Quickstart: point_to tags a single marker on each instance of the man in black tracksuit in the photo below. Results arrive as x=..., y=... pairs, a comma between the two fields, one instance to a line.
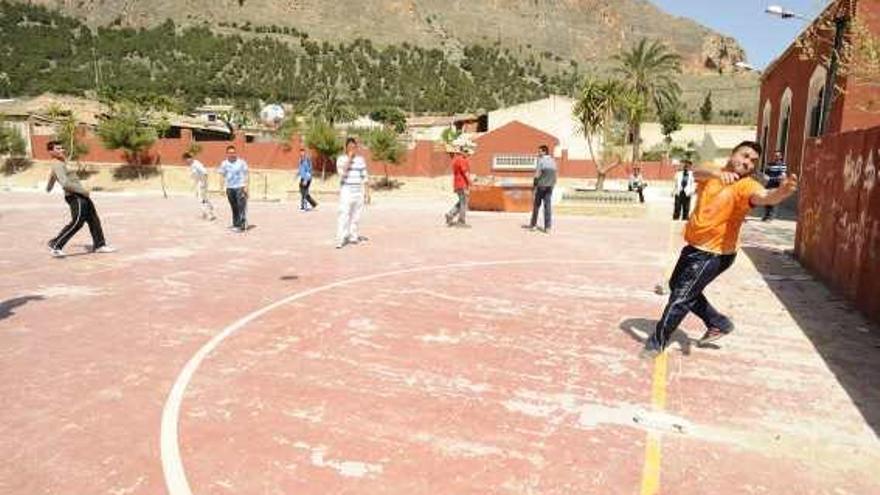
x=82, y=210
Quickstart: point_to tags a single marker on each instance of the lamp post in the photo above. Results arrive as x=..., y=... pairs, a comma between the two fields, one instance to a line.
x=841, y=23
x=784, y=13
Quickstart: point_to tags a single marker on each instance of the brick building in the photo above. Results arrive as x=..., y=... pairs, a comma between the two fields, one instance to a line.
x=793, y=87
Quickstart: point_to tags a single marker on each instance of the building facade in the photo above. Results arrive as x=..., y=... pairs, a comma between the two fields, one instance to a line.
x=792, y=99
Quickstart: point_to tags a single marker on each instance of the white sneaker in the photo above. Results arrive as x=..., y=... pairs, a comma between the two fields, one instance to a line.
x=57, y=253
x=105, y=249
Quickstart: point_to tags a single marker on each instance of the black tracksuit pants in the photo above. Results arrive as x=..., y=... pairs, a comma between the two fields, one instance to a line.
x=82, y=211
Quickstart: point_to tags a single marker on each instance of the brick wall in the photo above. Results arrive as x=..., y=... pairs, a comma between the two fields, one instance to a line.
x=838, y=233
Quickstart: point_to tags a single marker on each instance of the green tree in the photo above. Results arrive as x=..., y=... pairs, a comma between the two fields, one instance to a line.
x=595, y=108
x=68, y=132
x=385, y=147
x=287, y=130
x=331, y=104
x=11, y=141
x=322, y=137
x=449, y=135
x=670, y=123
x=12, y=144
x=706, y=109
x=650, y=70
x=390, y=116
x=127, y=128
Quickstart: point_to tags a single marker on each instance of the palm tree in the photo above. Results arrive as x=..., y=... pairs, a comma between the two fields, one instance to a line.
x=649, y=70
x=595, y=109
x=331, y=104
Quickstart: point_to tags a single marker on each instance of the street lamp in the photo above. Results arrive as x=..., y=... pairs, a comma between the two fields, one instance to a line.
x=784, y=13
x=841, y=23
x=747, y=67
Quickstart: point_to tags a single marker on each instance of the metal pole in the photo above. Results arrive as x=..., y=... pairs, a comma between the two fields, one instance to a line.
x=840, y=25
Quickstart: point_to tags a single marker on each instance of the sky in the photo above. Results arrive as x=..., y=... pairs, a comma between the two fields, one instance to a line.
x=763, y=36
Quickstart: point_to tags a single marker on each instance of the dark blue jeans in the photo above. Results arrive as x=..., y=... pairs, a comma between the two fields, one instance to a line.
x=543, y=195
x=238, y=202
x=693, y=272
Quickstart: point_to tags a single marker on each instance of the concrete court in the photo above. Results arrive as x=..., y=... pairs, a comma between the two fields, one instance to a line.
x=426, y=361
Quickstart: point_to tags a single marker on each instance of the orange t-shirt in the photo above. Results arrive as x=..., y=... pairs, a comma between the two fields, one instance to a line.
x=714, y=225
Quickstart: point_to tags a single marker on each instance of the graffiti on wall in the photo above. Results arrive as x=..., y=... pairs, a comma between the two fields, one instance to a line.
x=838, y=234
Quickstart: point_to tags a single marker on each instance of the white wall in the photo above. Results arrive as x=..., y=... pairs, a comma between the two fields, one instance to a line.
x=552, y=115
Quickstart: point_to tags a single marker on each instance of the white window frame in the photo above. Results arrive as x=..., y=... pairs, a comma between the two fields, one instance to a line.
x=764, y=138
x=817, y=85
x=784, y=108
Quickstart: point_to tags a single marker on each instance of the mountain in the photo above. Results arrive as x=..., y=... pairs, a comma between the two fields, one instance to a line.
x=419, y=55
x=586, y=31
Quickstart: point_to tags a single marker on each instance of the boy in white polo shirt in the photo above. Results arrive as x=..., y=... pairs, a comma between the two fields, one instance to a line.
x=354, y=191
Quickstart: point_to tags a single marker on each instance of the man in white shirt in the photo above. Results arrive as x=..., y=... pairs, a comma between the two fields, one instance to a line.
x=354, y=192
x=235, y=171
x=683, y=188
x=200, y=179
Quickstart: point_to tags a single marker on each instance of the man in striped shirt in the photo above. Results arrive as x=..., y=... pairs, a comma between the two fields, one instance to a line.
x=354, y=192
x=775, y=173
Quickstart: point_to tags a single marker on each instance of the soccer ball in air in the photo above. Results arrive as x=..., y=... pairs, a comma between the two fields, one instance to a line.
x=272, y=115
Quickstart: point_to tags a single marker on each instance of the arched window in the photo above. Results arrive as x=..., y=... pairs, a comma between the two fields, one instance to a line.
x=815, y=102
x=784, y=123
x=765, y=130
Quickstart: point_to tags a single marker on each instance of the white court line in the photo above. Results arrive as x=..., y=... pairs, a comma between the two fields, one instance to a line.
x=172, y=464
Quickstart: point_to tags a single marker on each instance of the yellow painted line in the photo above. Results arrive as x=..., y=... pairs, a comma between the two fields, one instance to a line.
x=651, y=470
x=653, y=451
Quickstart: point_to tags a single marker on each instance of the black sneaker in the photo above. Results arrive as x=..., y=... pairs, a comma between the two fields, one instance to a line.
x=711, y=335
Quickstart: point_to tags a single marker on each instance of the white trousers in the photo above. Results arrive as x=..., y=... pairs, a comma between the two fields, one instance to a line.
x=202, y=195
x=351, y=205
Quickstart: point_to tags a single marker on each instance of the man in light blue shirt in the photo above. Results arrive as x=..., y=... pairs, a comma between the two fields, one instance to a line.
x=235, y=171
x=306, y=201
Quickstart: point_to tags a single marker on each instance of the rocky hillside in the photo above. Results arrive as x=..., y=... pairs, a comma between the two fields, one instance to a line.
x=586, y=31
x=475, y=54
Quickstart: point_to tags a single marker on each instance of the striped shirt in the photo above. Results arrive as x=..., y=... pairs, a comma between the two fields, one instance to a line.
x=775, y=173
x=352, y=176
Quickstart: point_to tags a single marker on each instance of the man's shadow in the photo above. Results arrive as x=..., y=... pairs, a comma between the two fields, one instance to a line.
x=7, y=306
x=640, y=329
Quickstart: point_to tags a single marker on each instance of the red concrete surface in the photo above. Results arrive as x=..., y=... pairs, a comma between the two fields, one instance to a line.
x=517, y=375
x=838, y=237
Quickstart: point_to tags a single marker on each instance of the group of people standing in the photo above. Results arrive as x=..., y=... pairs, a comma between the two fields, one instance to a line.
x=725, y=197
x=543, y=183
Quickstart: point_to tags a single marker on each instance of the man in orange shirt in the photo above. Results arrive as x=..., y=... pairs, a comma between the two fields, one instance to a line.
x=724, y=198
x=462, y=184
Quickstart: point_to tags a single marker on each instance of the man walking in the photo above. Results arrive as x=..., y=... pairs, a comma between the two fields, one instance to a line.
x=775, y=173
x=354, y=191
x=544, y=181
x=684, y=186
x=82, y=209
x=724, y=199
x=304, y=173
x=235, y=172
x=461, y=183
x=200, y=179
